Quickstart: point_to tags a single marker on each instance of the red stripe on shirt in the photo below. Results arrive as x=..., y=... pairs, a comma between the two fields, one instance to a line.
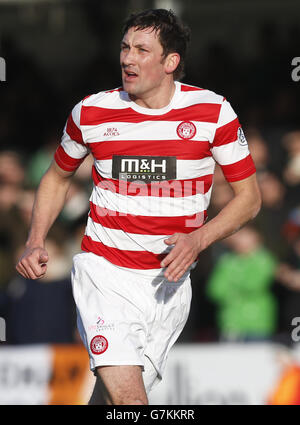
x=146, y=225
x=206, y=112
x=123, y=258
x=170, y=188
x=190, y=88
x=227, y=133
x=65, y=161
x=182, y=149
x=239, y=170
x=114, y=90
x=73, y=131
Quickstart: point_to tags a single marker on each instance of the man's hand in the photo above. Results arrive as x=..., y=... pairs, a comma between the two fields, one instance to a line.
x=49, y=202
x=243, y=207
x=182, y=256
x=32, y=264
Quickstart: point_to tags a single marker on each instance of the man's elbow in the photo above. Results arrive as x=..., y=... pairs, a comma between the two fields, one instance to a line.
x=256, y=204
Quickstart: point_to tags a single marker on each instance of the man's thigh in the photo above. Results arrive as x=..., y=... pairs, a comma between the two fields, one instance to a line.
x=119, y=385
x=111, y=312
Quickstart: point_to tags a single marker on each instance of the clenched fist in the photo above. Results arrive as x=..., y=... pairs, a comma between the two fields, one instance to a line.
x=32, y=264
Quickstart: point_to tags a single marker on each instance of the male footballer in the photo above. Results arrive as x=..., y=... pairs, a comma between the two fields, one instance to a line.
x=155, y=143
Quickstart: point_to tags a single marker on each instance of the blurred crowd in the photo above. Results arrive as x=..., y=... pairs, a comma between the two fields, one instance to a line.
x=245, y=288
x=249, y=283
x=38, y=311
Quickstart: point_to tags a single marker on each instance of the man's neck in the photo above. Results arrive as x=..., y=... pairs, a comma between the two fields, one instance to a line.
x=157, y=99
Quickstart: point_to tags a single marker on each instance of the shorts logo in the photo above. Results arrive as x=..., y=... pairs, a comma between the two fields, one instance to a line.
x=241, y=137
x=101, y=325
x=99, y=344
x=144, y=168
x=186, y=130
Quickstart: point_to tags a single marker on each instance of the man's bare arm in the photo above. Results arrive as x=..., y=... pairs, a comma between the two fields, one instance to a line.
x=244, y=206
x=49, y=201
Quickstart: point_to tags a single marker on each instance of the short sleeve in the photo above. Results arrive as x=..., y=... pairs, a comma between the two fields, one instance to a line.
x=230, y=148
x=72, y=149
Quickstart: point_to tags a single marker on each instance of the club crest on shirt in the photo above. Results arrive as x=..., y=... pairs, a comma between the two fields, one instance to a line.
x=99, y=344
x=241, y=137
x=186, y=130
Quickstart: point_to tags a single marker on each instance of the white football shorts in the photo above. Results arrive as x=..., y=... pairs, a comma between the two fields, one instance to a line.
x=125, y=317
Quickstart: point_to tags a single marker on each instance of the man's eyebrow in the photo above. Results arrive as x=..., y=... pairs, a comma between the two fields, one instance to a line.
x=144, y=46
x=139, y=46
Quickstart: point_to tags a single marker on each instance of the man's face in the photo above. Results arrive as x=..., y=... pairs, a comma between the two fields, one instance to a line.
x=142, y=63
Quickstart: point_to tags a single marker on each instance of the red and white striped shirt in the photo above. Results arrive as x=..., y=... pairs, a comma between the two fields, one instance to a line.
x=153, y=168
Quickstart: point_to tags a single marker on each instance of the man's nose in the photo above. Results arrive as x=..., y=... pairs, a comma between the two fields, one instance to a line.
x=128, y=57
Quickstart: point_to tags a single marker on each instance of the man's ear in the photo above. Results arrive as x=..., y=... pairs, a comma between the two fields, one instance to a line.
x=171, y=62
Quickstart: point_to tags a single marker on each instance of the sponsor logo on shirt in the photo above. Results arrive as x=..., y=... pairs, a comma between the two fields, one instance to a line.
x=111, y=132
x=186, y=130
x=144, y=168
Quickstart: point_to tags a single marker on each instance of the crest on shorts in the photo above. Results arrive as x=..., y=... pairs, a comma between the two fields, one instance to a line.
x=99, y=344
x=241, y=137
x=186, y=130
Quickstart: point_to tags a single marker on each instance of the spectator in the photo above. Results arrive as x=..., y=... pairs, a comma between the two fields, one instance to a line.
x=41, y=159
x=291, y=228
x=240, y=285
x=11, y=229
x=272, y=217
x=288, y=274
x=258, y=148
x=291, y=171
x=43, y=311
x=291, y=142
x=287, y=389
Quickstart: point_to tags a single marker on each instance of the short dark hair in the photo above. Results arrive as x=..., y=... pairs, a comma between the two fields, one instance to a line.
x=174, y=36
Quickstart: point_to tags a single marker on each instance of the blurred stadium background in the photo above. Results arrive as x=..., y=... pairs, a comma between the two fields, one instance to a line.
x=241, y=342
